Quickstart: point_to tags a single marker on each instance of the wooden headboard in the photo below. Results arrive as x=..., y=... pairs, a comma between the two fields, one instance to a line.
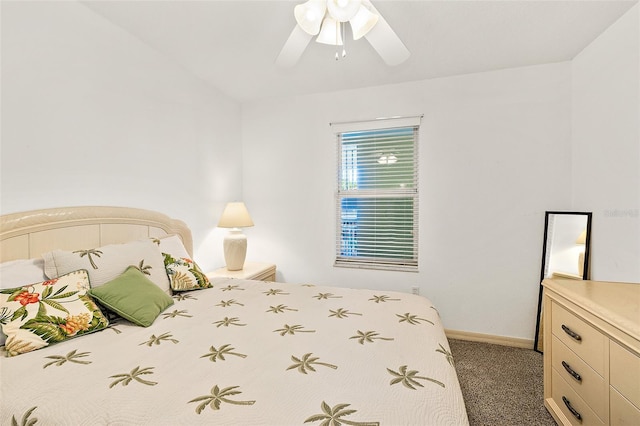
x=28, y=235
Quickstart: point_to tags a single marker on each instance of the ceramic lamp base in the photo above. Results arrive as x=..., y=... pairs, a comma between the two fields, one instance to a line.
x=235, y=249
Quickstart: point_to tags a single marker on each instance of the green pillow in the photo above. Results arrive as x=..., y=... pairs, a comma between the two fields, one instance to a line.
x=133, y=296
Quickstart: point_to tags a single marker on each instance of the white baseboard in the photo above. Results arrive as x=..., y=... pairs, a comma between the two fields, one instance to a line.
x=489, y=338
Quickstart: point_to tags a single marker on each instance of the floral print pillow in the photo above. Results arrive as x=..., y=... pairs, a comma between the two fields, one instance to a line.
x=184, y=274
x=37, y=315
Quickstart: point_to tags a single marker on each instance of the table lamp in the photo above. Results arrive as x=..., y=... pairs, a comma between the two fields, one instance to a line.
x=235, y=216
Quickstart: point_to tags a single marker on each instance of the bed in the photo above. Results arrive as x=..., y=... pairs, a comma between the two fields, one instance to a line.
x=221, y=351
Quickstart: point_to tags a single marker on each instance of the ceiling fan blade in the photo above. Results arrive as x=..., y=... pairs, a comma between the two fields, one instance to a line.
x=293, y=47
x=385, y=41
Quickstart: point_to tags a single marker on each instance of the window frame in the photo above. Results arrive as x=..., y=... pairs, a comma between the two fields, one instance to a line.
x=406, y=264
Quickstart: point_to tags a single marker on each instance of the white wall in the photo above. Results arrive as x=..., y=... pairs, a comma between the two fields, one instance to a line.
x=606, y=147
x=92, y=116
x=494, y=156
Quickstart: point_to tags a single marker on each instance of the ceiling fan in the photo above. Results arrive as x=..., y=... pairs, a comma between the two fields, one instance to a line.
x=326, y=19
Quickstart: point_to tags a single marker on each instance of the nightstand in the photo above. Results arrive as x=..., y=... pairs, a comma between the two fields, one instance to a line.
x=251, y=271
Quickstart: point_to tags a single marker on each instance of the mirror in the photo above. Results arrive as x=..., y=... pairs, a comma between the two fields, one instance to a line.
x=565, y=254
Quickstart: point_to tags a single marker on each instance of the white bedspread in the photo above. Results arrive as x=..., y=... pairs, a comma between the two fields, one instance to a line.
x=248, y=353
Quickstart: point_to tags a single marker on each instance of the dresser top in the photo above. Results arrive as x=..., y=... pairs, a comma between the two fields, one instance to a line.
x=616, y=303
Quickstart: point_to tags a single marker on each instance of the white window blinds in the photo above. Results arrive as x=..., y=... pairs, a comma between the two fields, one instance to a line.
x=377, y=194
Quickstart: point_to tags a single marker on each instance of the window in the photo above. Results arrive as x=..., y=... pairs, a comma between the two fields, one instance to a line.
x=377, y=194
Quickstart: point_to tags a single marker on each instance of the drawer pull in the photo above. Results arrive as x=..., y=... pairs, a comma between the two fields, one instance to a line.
x=571, y=333
x=571, y=371
x=570, y=408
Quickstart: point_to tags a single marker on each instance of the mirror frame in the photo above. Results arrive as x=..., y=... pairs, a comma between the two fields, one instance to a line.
x=537, y=343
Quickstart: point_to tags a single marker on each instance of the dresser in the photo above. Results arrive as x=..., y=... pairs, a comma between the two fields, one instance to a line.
x=592, y=352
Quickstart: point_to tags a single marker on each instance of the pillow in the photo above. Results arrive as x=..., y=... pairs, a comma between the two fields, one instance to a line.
x=36, y=315
x=108, y=262
x=172, y=244
x=133, y=296
x=22, y=271
x=19, y=272
x=184, y=274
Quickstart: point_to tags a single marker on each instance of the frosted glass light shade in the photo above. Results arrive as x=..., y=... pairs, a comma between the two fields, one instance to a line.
x=343, y=10
x=363, y=22
x=235, y=215
x=309, y=15
x=330, y=32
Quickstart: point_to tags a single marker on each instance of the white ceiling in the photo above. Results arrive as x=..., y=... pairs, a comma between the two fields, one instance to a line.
x=233, y=44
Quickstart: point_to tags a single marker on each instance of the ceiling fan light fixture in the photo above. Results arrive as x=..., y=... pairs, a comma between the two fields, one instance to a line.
x=362, y=22
x=330, y=32
x=309, y=15
x=343, y=10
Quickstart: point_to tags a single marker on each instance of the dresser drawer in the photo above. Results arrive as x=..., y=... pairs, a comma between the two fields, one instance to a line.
x=588, y=384
x=625, y=372
x=561, y=392
x=583, y=339
x=623, y=413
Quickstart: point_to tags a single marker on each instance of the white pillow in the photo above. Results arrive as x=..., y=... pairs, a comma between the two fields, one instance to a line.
x=109, y=262
x=20, y=272
x=17, y=273
x=172, y=244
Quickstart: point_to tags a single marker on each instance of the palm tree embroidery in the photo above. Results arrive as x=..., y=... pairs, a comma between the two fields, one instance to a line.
x=72, y=356
x=231, y=287
x=435, y=310
x=342, y=313
x=279, y=309
x=307, y=362
x=218, y=396
x=383, y=298
x=408, y=378
x=307, y=285
x=5, y=315
x=228, y=321
x=275, y=292
x=89, y=254
x=113, y=322
x=184, y=296
x=368, y=336
x=321, y=296
x=446, y=353
x=157, y=340
x=227, y=303
x=176, y=313
x=125, y=378
x=292, y=329
x=412, y=319
x=214, y=353
x=332, y=416
x=143, y=268
x=155, y=241
x=26, y=421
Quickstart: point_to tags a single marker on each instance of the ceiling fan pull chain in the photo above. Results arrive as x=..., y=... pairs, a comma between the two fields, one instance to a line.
x=344, y=41
x=337, y=38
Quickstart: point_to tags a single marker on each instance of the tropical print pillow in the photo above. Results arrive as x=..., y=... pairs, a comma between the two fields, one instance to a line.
x=37, y=315
x=184, y=274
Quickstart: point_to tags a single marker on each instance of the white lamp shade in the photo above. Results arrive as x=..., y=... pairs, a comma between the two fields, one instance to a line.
x=309, y=15
x=235, y=215
x=363, y=22
x=330, y=32
x=582, y=238
x=343, y=10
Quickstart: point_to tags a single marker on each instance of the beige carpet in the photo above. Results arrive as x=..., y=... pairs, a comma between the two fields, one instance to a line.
x=501, y=385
